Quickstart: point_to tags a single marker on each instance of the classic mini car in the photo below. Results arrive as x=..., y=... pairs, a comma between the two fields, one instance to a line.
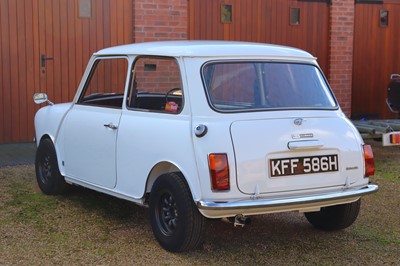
x=206, y=129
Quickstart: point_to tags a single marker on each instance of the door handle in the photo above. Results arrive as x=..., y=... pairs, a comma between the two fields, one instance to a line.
x=44, y=58
x=111, y=126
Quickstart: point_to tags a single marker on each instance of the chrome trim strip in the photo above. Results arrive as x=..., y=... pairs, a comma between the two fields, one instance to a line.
x=273, y=203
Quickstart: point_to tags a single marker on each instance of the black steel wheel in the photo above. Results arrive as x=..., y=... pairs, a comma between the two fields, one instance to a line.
x=335, y=217
x=176, y=222
x=167, y=214
x=48, y=176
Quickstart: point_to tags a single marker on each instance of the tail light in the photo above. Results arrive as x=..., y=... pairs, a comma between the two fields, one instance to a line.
x=369, y=161
x=219, y=171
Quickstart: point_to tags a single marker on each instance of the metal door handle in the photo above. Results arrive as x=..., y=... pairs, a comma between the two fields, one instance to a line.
x=43, y=59
x=111, y=126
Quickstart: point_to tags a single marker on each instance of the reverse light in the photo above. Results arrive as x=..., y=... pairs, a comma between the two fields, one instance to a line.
x=219, y=171
x=369, y=161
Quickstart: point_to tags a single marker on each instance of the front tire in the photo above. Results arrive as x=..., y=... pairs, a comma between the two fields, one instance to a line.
x=176, y=222
x=48, y=175
x=335, y=217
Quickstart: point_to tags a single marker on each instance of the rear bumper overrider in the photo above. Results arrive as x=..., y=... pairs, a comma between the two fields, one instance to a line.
x=262, y=206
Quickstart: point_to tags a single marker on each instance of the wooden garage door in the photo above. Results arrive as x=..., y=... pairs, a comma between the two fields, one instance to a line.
x=267, y=21
x=376, y=57
x=45, y=46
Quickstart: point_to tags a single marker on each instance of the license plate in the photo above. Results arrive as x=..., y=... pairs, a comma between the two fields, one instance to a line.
x=303, y=165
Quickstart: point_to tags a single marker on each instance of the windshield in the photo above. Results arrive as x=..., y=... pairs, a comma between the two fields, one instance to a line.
x=241, y=86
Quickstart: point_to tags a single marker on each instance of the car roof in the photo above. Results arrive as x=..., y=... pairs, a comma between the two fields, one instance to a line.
x=206, y=49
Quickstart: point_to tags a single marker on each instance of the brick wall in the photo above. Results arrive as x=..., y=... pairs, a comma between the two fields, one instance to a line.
x=157, y=20
x=341, y=51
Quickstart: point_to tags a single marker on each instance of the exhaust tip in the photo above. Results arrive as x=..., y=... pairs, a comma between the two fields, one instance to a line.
x=241, y=220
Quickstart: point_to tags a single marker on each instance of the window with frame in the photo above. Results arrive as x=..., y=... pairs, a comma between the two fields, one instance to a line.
x=157, y=85
x=249, y=86
x=105, y=85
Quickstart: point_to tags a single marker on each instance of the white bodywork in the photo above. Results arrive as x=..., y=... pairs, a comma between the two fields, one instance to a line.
x=125, y=161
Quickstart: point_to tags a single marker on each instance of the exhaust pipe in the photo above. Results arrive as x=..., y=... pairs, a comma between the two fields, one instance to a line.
x=241, y=220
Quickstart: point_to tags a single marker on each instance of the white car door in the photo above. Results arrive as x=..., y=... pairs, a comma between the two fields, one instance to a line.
x=91, y=126
x=89, y=144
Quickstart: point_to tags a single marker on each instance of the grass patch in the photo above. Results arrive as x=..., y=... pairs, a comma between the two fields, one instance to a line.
x=388, y=170
x=381, y=236
x=86, y=227
x=28, y=207
x=31, y=206
x=387, y=161
x=25, y=205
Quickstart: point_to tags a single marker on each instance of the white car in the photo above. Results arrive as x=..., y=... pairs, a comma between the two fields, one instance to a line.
x=206, y=129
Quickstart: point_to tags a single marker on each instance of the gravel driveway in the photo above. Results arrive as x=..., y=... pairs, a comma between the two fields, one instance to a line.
x=85, y=227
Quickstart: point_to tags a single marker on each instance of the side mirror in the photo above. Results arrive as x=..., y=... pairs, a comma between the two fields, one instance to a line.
x=40, y=98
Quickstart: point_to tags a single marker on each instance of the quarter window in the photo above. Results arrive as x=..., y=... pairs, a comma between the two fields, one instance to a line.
x=156, y=86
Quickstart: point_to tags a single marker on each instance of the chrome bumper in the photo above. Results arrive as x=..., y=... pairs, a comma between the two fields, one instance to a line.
x=261, y=206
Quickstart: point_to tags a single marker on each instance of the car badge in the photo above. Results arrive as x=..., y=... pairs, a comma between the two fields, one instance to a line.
x=302, y=136
x=298, y=121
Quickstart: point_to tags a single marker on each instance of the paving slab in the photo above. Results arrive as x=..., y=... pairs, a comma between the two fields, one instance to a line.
x=17, y=154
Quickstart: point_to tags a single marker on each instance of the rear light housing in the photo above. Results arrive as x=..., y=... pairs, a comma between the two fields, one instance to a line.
x=394, y=138
x=219, y=171
x=369, y=160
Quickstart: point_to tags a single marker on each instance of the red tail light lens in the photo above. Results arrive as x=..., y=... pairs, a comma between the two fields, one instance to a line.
x=369, y=161
x=219, y=171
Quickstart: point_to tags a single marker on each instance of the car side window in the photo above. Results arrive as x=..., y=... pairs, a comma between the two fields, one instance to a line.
x=105, y=85
x=157, y=85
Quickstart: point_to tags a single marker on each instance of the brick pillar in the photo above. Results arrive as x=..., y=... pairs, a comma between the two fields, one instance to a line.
x=341, y=51
x=157, y=20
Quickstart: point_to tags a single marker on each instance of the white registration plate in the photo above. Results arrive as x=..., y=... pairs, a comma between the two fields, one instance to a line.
x=303, y=165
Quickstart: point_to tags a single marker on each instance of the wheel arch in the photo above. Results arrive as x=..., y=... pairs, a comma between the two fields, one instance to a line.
x=165, y=167
x=45, y=136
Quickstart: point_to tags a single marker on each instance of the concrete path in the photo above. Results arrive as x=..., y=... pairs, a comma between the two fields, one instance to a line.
x=17, y=154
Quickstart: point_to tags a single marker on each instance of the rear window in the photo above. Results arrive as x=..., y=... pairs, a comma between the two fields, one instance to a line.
x=241, y=86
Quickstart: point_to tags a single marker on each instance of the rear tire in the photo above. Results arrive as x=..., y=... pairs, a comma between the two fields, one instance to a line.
x=48, y=175
x=176, y=222
x=335, y=217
